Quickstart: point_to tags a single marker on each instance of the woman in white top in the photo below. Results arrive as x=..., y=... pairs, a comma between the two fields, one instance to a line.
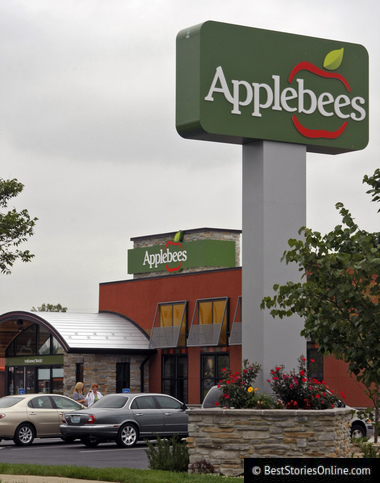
x=93, y=395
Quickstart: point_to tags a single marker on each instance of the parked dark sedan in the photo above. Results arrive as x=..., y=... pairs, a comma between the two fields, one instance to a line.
x=126, y=418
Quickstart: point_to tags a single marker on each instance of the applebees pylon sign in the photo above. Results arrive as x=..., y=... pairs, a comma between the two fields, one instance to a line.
x=238, y=84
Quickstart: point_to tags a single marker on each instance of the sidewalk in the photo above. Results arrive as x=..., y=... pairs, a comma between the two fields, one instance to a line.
x=42, y=479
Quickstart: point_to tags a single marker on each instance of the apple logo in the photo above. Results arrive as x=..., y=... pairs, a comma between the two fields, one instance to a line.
x=331, y=62
x=177, y=242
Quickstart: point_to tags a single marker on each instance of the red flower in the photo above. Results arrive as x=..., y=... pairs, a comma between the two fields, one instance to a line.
x=216, y=403
x=278, y=368
x=268, y=380
x=302, y=373
x=275, y=378
x=312, y=360
x=342, y=394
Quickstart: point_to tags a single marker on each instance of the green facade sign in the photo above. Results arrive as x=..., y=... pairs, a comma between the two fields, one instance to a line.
x=239, y=84
x=34, y=360
x=176, y=256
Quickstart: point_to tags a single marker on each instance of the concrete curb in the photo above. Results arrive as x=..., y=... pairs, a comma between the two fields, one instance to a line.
x=42, y=479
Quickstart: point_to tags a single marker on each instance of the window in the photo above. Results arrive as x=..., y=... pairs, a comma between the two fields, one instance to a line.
x=170, y=325
x=57, y=379
x=44, y=342
x=33, y=340
x=40, y=402
x=65, y=403
x=143, y=402
x=113, y=401
x=26, y=342
x=122, y=376
x=57, y=348
x=314, y=361
x=235, y=337
x=210, y=323
x=211, y=370
x=168, y=403
x=175, y=376
x=79, y=371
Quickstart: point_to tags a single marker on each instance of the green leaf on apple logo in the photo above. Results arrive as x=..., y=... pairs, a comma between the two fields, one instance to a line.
x=178, y=237
x=333, y=59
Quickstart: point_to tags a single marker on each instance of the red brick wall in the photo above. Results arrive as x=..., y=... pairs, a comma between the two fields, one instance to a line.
x=138, y=299
x=336, y=376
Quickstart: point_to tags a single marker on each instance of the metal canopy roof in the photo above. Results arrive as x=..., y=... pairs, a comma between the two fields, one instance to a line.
x=104, y=331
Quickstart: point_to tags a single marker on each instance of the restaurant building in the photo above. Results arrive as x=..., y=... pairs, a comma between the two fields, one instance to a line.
x=171, y=328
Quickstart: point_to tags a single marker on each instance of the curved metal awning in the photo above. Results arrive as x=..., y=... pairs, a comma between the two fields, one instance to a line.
x=97, y=332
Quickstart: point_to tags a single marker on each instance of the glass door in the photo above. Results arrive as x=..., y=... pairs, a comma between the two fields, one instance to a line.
x=43, y=382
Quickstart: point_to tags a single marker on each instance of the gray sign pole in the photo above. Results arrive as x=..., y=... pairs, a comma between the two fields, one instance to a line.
x=274, y=209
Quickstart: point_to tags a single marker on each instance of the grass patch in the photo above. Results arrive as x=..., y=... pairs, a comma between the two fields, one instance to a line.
x=120, y=475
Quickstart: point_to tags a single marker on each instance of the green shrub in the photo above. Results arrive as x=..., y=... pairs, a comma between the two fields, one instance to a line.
x=168, y=455
x=369, y=450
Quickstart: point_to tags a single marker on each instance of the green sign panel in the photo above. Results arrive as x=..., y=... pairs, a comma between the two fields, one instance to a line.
x=239, y=84
x=34, y=360
x=176, y=256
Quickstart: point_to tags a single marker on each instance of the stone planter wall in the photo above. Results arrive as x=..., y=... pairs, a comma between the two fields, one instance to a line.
x=224, y=437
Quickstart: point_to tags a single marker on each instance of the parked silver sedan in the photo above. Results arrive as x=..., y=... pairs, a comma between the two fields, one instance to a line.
x=28, y=416
x=126, y=418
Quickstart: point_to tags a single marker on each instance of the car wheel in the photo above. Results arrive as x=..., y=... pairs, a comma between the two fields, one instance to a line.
x=127, y=436
x=90, y=441
x=24, y=435
x=357, y=431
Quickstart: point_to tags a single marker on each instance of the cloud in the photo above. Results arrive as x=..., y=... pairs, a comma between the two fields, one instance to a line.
x=87, y=123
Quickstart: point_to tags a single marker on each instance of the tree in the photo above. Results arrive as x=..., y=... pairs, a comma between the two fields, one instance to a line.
x=15, y=227
x=50, y=308
x=340, y=297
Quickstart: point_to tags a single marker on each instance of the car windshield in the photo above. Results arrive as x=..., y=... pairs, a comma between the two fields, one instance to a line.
x=7, y=402
x=112, y=401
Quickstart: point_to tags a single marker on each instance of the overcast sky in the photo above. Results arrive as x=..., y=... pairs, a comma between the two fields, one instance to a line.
x=87, y=123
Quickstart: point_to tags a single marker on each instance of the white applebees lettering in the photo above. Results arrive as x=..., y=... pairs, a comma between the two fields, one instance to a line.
x=164, y=256
x=263, y=96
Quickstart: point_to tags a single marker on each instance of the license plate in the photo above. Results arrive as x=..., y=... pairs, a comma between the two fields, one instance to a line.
x=75, y=419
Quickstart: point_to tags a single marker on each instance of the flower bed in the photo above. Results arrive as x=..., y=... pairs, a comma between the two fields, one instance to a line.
x=300, y=419
x=293, y=390
x=224, y=437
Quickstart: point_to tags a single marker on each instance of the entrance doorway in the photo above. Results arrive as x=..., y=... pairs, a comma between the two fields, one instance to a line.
x=33, y=379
